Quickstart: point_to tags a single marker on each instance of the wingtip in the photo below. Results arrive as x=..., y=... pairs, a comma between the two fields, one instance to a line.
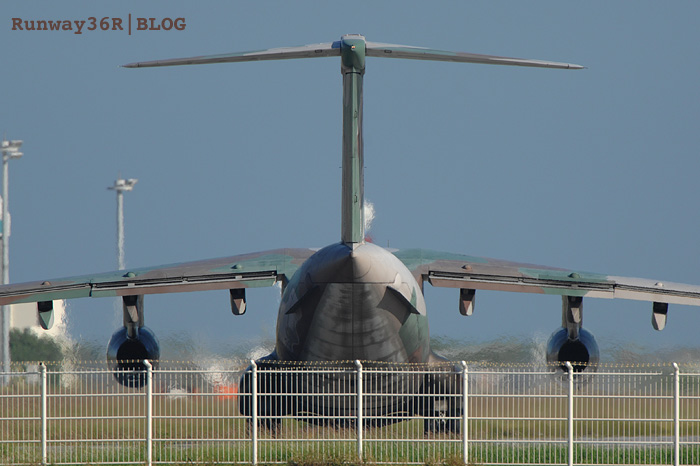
x=129, y=65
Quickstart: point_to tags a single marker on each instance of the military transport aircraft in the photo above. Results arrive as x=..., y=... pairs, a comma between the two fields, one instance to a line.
x=353, y=299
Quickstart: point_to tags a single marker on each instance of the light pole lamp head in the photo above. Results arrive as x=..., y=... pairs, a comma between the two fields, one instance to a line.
x=124, y=185
x=10, y=149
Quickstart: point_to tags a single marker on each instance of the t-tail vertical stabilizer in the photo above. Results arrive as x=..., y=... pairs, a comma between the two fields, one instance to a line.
x=352, y=53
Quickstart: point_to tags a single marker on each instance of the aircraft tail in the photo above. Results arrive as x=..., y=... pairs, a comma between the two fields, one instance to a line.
x=353, y=49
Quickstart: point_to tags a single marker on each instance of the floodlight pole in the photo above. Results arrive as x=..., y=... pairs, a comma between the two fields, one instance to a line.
x=121, y=185
x=10, y=150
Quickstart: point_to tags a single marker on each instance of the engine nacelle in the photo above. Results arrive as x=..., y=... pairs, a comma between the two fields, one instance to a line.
x=125, y=355
x=582, y=353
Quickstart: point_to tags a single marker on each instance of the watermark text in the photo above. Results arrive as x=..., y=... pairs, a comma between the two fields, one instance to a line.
x=107, y=23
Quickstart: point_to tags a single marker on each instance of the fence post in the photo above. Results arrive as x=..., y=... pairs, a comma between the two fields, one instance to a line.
x=465, y=413
x=360, y=408
x=254, y=410
x=44, y=411
x=570, y=413
x=676, y=415
x=149, y=411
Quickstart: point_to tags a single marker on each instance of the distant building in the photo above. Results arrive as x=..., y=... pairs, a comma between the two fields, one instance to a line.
x=23, y=316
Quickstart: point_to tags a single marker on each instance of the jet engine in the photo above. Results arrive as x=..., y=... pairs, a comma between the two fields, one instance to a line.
x=582, y=352
x=571, y=342
x=131, y=344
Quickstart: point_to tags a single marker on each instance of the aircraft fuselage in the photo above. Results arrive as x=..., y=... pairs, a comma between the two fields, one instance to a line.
x=353, y=301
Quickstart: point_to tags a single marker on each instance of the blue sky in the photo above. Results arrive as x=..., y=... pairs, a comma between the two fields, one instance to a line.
x=592, y=170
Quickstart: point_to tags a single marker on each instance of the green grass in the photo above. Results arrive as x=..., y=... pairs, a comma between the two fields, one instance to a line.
x=300, y=456
x=339, y=448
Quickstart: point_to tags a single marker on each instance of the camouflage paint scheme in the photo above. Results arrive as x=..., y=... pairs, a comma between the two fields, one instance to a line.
x=353, y=299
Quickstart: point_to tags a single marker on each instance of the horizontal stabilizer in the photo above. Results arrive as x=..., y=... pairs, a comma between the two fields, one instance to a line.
x=373, y=49
x=376, y=49
x=329, y=49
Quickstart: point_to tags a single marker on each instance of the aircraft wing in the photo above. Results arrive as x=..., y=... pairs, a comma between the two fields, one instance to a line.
x=243, y=271
x=478, y=273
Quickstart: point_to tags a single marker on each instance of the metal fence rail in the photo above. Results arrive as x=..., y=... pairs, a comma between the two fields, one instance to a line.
x=353, y=411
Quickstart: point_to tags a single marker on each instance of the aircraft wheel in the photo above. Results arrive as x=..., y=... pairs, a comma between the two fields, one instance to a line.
x=441, y=417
